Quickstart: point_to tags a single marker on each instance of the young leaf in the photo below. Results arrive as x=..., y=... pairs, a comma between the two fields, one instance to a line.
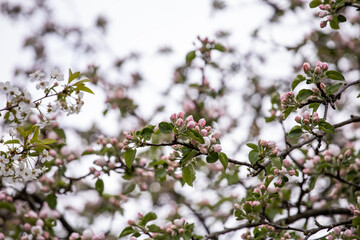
x=99, y=186
x=188, y=174
x=315, y=3
x=219, y=47
x=299, y=78
x=165, y=127
x=147, y=218
x=334, y=75
x=51, y=199
x=341, y=18
x=332, y=89
x=295, y=132
x=312, y=183
x=72, y=76
x=253, y=156
x=190, y=57
x=212, y=157
x=223, y=159
x=146, y=133
x=128, y=188
x=326, y=127
x=252, y=146
x=303, y=94
x=314, y=106
x=14, y=141
x=276, y=161
x=334, y=24
x=127, y=231
x=188, y=157
x=129, y=156
x=195, y=135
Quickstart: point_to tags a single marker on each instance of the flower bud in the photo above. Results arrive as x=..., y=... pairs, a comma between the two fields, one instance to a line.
x=298, y=119
x=324, y=66
x=337, y=230
x=217, y=148
x=323, y=24
x=292, y=172
x=322, y=14
x=328, y=7
x=317, y=70
x=306, y=67
x=286, y=162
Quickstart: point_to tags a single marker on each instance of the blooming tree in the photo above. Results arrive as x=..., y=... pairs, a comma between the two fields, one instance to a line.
x=304, y=186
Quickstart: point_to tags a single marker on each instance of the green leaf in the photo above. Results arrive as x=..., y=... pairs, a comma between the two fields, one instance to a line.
x=188, y=174
x=287, y=111
x=312, y=182
x=303, y=94
x=276, y=161
x=253, y=156
x=195, y=135
x=187, y=157
x=223, y=159
x=334, y=75
x=51, y=199
x=341, y=18
x=72, y=76
x=334, y=24
x=332, y=89
x=314, y=106
x=81, y=82
x=219, y=47
x=295, y=132
x=14, y=141
x=47, y=141
x=212, y=157
x=299, y=78
x=84, y=89
x=8, y=206
x=356, y=222
x=358, y=95
x=315, y=3
x=165, y=127
x=252, y=146
x=129, y=156
x=99, y=186
x=147, y=218
x=190, y=57
x=154, y=228
x=128, y=188
x=126, y=231
x=146, y=133
x=326, y=127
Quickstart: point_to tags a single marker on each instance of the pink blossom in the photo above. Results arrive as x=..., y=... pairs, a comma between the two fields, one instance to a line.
x=180, y=115
x=292, y=172
x=322, y=7
x=203, y=132
x=190, y=118
x=131, y=222
x=306, y=170
x=306, y=67
x=179, y=122
x=279, y=182
x=173, y=117
x=306, y=115
x=298, y=119
x=324, y=66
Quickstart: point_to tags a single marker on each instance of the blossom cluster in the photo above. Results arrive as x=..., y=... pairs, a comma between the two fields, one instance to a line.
x=317, y=71
x=287, y=100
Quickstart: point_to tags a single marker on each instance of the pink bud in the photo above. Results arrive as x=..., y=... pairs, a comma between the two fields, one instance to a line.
x=306, y=115
x=202, y=122
x=191, y=124
x=306, y=170
x=306, y=121
x=131, y=222
x=203, y=132
x=279, y=182
x=348, y=233
x=322, y=86
x=276, y=171
x=324, y=66
x=190, y=118
x=298, y=119
x=323, y=24
x=336, y=230
x=322, y=7
x=217, y=148
x=113, y=141
x=173, y=117
x=179, y=122
x=286, y=162
x=292, y=172
x=322, y=14
x=180, y=115
x=328, y=7
x=358, y=200
x=347, y=153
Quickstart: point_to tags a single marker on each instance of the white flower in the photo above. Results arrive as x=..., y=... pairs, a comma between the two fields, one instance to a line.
x=36, y=76
x=56, y=74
